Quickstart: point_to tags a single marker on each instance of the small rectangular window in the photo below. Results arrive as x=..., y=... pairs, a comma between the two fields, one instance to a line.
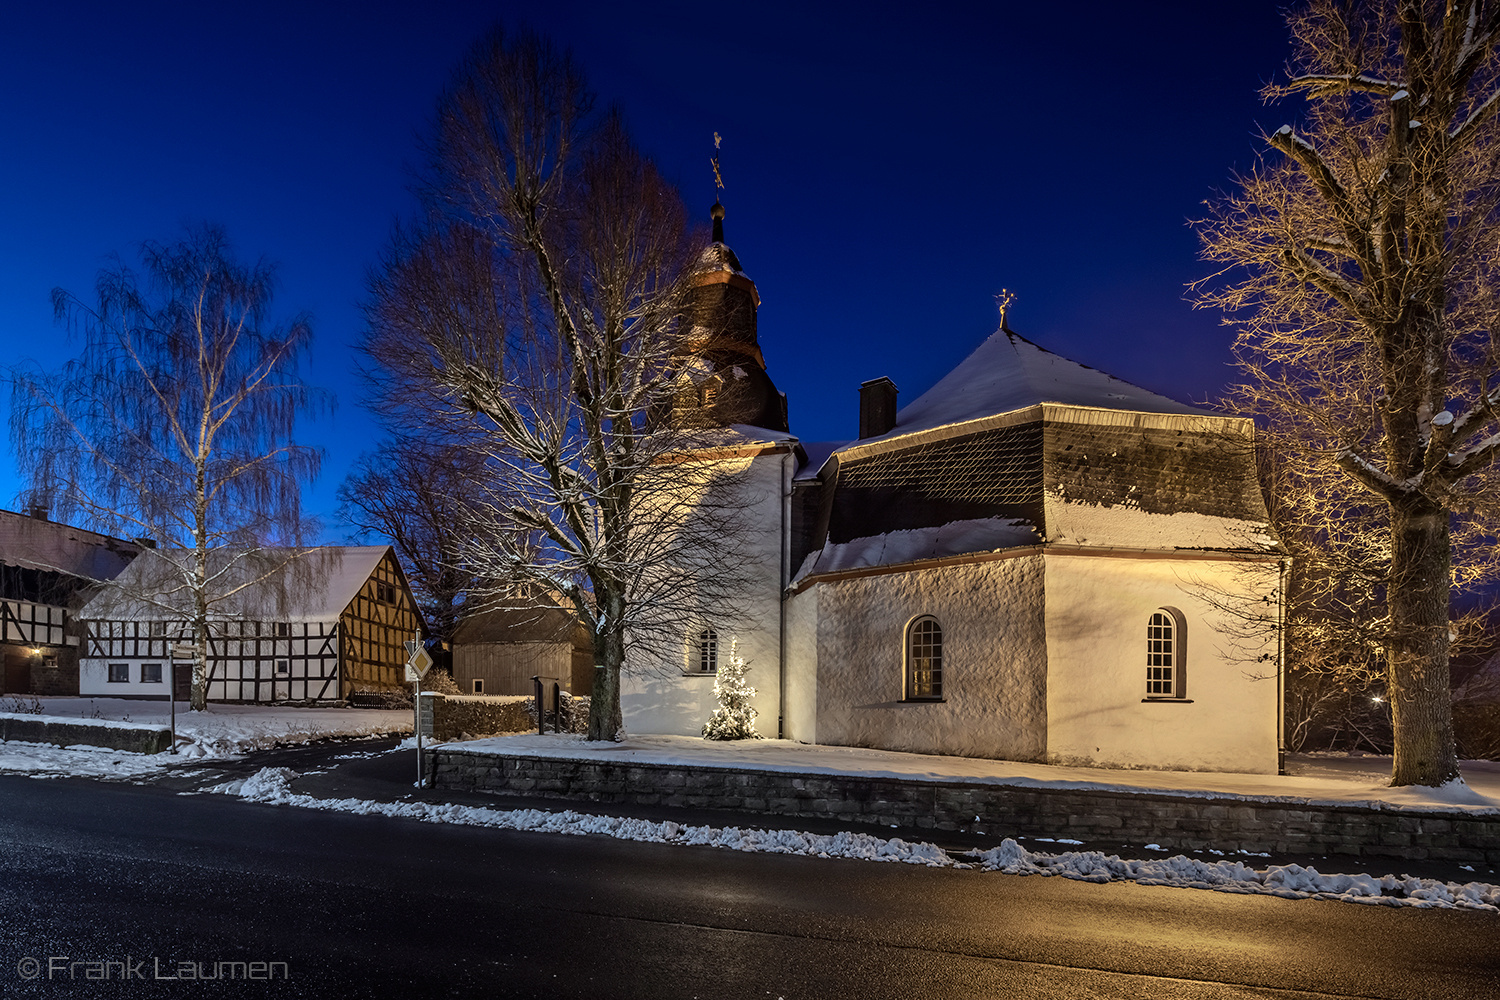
x=119, y=673
x=283, y=628
x=283, y=668
x=479, y=685
x=150, y=673
x=158, y=628
x=708, y=651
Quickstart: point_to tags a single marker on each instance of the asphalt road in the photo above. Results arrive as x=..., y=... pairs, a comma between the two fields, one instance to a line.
x=376, y=907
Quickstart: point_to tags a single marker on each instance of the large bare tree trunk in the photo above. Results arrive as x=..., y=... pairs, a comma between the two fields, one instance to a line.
x=1418, y=651
x=605, y=718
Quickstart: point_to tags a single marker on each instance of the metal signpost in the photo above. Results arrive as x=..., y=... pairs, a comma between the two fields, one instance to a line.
x=418, y=662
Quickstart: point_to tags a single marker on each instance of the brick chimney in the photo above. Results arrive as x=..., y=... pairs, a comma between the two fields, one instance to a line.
x=877, y=407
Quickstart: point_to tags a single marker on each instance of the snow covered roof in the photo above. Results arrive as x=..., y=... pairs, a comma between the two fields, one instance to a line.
x=718, y=257
x=1008, y=372
x=35, y=543
x=903, y=547
x=313, y=584
x=817, y=453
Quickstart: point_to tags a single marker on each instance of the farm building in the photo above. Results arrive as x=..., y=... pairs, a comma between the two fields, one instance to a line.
x=47, y=571
x=499, y=651
x=315, y=626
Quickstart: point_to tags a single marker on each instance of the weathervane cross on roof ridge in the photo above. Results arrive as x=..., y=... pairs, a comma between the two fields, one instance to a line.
x=1004, y=300
x=718, y=177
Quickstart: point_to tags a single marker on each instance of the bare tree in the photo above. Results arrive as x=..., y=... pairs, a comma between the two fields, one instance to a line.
x=175, y=424
x=534, y=314
x=1361, y=266
x=412, y=492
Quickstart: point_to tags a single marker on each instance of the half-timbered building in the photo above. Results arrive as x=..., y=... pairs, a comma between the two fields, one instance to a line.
x=318, y=627
x=47, y=571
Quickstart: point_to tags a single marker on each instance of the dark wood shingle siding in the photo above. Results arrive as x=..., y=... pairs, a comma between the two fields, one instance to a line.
x=990, y=474
x=1157, y=470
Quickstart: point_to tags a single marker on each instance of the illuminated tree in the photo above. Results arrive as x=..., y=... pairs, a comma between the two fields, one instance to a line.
x=1361, y=266
x=533, y=314
x=734, y=719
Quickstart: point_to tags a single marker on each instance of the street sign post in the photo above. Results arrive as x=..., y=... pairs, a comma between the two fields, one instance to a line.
x=418, y=662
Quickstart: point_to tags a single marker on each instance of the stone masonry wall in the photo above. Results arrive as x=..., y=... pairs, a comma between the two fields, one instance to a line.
x=1174, y=822
x=85, y=732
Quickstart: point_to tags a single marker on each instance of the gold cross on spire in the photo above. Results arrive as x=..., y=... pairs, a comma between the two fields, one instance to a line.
x=718, y=178
x=1004, y=300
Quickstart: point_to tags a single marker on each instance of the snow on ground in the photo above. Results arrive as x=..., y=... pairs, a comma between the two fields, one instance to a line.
x=44, y=760
x=273, y=786
x=224, y=730
x=221, y=731
x=1361, y=781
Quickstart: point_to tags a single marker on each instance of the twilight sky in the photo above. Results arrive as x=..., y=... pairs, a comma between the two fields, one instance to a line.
x=887, y=170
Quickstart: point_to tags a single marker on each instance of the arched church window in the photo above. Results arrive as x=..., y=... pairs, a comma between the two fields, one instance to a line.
x=924, y=660
x=1166, y=661
x=708, y=651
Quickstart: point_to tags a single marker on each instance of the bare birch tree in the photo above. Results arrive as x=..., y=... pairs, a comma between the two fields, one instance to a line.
x=175, y=425
x=1361, y=266
x=533, y=313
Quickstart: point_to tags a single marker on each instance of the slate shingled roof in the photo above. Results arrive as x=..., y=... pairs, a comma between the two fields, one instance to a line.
x=34, y=543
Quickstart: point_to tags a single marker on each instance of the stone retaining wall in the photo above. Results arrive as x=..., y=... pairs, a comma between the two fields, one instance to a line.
x=85, y=732
x=1175, y=822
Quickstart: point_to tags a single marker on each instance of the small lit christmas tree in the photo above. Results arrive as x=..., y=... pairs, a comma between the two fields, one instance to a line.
x=734, y=719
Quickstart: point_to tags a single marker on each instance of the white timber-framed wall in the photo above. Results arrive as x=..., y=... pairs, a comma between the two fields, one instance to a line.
x=344, y=635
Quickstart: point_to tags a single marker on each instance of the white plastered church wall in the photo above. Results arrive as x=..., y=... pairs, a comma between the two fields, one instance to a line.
x=1098, y=610
x=802, y=666
x=661, y=691
x=994, y=660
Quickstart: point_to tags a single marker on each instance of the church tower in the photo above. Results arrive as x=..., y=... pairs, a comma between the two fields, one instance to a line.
x=722, y=371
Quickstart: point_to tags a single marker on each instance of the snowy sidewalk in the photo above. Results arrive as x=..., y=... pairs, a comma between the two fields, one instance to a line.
x=1314, y=779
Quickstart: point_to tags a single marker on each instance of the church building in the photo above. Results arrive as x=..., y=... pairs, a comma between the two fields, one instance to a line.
x=1031, y=561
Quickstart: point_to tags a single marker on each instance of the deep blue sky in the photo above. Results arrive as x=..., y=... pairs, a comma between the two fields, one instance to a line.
x=888, y=169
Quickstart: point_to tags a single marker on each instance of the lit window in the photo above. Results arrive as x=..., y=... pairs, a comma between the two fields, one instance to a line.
x=708, y=651
x=924, y=660
x=119, y=673
x=1165, y=645
x=150, y=673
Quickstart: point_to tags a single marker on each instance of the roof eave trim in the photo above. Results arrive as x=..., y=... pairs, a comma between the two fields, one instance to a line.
x=1049, y=548
x=1099, y=416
